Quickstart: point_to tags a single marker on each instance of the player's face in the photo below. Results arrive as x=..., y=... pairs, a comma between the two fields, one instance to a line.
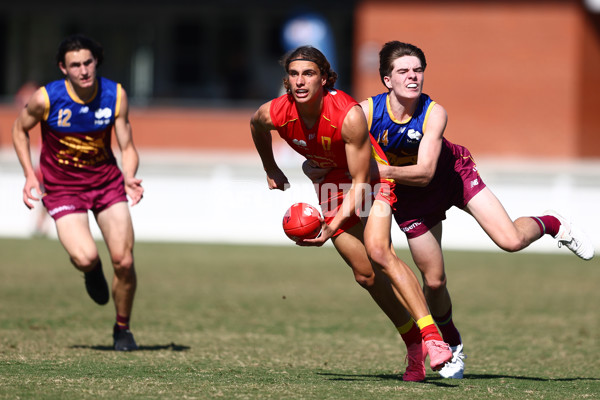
x=80, y=68
x=406, y=79
x=306, y=81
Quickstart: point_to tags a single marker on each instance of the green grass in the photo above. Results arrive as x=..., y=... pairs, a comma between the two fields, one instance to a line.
x=251, y=322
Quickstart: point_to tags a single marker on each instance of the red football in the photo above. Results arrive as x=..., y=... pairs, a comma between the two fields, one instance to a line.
x=301, y=221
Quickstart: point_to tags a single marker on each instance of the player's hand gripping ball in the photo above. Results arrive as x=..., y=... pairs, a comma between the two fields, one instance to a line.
x=302, y=221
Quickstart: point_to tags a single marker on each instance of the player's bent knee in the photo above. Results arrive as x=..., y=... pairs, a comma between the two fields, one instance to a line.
x=511, y=245
x=85, y=261
x=435, y=285
x=364, y=281
x=123, y=264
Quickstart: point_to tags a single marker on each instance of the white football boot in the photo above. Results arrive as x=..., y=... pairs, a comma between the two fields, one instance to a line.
x=570, y=236
x=455, y=368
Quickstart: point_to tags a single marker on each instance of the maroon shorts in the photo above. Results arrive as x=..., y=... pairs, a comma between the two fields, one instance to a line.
x=331, y=195
x=455, y=183
x=61, y=203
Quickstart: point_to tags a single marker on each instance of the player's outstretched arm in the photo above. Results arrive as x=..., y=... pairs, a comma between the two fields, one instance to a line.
x=422, y=173
x=129, y=154
x=261, y=127
x=29, y=117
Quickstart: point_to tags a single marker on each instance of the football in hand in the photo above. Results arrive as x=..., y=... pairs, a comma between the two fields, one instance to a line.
x=302, y=221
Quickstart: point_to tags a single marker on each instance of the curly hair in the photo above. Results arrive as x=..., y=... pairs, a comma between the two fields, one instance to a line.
x=79, y=42
x=309, y=53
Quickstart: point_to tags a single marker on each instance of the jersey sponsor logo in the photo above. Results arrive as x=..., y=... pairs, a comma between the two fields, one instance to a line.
x=412, y=226
x=401, y=159
x=414, y=136
x=82, y=152
x=322, y=162
x=56, y=210
x=300, y=143
x=102, y=116
x=474, y=182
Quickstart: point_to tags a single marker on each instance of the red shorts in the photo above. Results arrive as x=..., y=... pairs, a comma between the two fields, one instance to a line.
x=331, y=195
x=455, y=183
x=61, y=203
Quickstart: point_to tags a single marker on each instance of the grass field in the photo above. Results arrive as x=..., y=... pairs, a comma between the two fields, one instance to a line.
x=251, y=322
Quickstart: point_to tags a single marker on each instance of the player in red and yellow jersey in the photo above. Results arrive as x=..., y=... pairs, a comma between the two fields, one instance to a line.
x=80, y=172
x=329, y=128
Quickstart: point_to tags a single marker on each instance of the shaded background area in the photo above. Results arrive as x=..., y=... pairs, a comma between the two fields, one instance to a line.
x=520, y=81
x=519, y=78
x=195, y=53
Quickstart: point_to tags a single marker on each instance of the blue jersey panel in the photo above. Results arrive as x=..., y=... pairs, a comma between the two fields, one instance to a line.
x=399, y=139
x=67, y=114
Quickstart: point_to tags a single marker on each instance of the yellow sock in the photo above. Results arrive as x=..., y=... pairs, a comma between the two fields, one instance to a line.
x=428, y=329
x=425, y=321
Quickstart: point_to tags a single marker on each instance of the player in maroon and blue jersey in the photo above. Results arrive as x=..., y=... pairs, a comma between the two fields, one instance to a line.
x=80, y=173
x=328, y=128
x=432, y=175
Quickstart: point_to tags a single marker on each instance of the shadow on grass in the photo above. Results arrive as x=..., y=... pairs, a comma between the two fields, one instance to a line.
x=392, y=377
x=171, y=346
x=439, y=381
x=527, y=378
